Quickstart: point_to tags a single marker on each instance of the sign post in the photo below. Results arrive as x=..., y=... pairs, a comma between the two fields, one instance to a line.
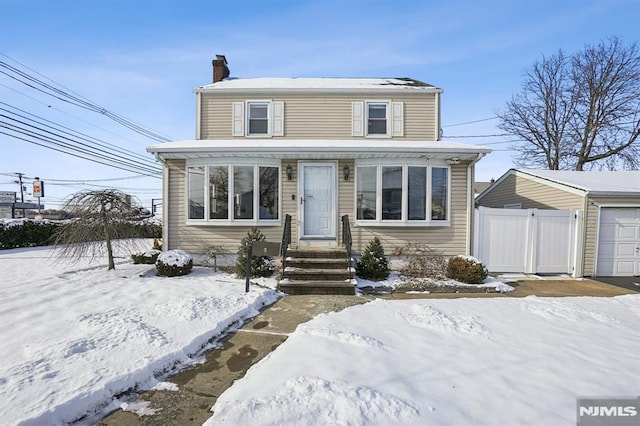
x=38, y=190
x=260, y=248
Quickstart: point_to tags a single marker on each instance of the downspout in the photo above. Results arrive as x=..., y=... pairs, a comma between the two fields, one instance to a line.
x=471, y=203
x=165, y=201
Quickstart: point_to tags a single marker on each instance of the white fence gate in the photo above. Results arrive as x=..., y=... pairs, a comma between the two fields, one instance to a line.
x=529, y=241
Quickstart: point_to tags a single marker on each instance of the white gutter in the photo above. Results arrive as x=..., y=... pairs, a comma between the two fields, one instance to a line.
x=470, y=203
x=198, y=115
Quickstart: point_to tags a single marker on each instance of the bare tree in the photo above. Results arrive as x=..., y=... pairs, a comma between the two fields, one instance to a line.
x=579, y=112
x=100, y=218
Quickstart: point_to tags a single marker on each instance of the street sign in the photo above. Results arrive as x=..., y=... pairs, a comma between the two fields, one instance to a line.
x=38, y=188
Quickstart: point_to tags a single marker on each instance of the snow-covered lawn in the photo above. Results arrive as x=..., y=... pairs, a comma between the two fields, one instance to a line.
x=499, y=361
x=72, y=336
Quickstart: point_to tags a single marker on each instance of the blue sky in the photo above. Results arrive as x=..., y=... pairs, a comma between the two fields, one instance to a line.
x=141, y=59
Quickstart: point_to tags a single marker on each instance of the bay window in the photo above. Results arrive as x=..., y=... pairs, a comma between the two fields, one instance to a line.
x=402, y=194
x=236, y=193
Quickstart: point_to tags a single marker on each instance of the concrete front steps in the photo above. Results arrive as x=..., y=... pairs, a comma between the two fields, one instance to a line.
x=317, y=271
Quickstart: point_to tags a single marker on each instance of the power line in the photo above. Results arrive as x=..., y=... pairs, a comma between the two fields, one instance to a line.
x=73, y=99
x=472, y=122
x=478, y=136
x=81, y=136
x=110, y=164
x=57, y=139
x=72, y=116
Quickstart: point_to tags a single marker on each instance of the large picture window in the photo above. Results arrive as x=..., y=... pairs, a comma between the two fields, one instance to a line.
x=402, y=194
x=237, y=193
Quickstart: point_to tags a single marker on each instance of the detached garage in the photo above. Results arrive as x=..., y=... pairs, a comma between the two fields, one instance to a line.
x=609, y=202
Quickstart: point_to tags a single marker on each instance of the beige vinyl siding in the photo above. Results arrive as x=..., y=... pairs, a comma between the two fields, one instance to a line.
x=316, y=116
x=290, y=199
x=451, y=240
x=533, y=195
x=176, y=202
x=197, y=239
x=590, y=239
x=345, y=196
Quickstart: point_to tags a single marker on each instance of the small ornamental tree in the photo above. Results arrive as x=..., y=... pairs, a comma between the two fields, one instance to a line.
x=373, y=264
x=261, y=266
x=101, y=218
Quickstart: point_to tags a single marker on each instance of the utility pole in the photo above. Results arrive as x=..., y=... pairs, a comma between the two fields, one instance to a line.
x=19, y=182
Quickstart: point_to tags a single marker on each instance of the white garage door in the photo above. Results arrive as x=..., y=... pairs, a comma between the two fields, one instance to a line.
x=619, y=242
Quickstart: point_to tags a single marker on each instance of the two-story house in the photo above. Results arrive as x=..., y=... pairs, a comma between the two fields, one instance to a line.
x=317, y=149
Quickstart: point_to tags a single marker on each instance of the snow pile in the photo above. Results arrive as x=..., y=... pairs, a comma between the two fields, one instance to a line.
x=179, y=258
x=72, y=337
x=397, y=282
x=444, y=362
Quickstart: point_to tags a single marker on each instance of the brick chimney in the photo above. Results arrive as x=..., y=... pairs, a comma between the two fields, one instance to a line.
x=220, y=68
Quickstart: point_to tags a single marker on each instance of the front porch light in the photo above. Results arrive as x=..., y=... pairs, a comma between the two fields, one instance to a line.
x=345, y=172
x=289, y=172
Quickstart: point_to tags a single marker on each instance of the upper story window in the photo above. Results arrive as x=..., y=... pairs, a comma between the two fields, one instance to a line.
x=383, y=118
x=259, y=118
x=402, y=194
x=235, y=194
x=377, y=118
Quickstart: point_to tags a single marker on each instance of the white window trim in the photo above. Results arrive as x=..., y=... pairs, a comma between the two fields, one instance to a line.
x=230, y=221
x=405, y=194
x=247, y=110
x=388, y=112
x=240, y=118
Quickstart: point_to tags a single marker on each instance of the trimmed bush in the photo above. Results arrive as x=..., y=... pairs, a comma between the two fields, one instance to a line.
x=466, y=269
x=27, y=233
x=261, y=266
x=173, y=263
x=373, y=264
x=149, y=257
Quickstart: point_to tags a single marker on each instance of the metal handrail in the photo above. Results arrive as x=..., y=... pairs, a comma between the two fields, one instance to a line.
x=286, y=240
x=347, y=241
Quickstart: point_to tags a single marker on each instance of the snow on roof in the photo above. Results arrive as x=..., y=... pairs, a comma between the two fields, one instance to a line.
x=319, y=84
x=594, y=182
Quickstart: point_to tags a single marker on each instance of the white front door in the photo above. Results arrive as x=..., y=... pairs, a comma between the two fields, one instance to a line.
x=318, y=200
x=619, y=242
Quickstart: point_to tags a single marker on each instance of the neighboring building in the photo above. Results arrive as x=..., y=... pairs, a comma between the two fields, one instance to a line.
x=317, y=149
x=609, y=200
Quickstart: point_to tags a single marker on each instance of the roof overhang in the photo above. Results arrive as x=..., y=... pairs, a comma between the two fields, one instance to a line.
x=316, y=149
